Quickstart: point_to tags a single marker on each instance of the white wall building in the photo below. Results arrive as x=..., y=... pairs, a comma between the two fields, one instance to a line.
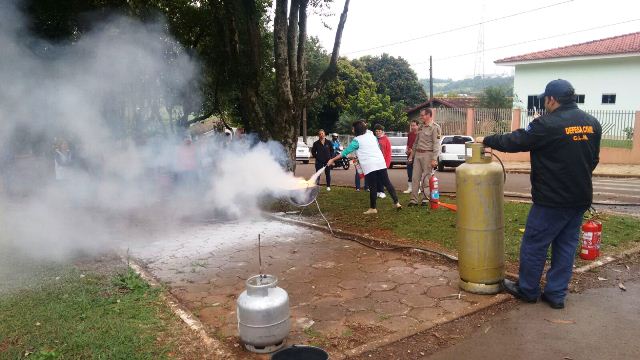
x=605, y=73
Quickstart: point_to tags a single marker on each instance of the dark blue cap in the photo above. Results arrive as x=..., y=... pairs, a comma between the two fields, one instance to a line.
x=557, y=88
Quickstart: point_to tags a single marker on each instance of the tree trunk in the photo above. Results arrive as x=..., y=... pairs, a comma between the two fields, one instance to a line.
x=242, y=25
x=289, y=46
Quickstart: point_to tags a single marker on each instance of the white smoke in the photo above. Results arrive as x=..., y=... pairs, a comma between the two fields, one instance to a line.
x=79, y=90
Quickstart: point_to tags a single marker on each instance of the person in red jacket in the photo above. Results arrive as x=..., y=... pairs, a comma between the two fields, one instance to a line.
x=385, y=146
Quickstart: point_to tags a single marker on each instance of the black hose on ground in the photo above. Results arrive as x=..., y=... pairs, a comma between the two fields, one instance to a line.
x=364, y=243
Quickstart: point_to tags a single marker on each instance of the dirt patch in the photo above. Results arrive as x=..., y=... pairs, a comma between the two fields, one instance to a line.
x=618, y=272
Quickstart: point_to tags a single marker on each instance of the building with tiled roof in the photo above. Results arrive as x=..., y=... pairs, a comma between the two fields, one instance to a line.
x=461, y=102
x=604, y=72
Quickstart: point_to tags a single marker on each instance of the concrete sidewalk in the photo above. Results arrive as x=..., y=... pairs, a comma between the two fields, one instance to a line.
x=604, y=170
x=597, y=324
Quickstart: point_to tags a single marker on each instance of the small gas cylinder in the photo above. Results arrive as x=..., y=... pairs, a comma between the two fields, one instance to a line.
x=590, y=240
x=263, y=314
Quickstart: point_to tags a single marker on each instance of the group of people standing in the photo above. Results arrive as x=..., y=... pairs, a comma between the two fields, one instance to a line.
x=373, y=163
x=561, y=169
x=373, y=150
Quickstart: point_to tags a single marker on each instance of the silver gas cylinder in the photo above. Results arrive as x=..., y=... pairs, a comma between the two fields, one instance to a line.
x=263, y=314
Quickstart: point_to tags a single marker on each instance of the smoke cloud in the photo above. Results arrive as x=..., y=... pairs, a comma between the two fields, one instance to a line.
x=102, y=103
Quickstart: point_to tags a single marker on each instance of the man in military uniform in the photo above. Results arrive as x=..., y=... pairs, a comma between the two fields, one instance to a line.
x=564, y=146
x=425, y=151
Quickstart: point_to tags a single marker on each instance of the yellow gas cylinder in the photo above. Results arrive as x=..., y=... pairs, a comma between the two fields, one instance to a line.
x=480, y=222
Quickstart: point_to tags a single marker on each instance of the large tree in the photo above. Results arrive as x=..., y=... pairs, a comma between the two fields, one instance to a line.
x=354, y=95
x=249, y=71
x=394, y=77
x=292, y=96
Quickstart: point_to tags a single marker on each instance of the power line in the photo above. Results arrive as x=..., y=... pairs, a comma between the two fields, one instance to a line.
x=460, y=28
x=530, y=41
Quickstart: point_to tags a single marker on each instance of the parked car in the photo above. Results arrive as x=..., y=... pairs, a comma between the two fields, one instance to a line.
x=398, y=147
x=452, y=152
x=302, y=152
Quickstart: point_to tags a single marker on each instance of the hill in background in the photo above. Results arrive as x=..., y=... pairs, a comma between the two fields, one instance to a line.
x=472, y=86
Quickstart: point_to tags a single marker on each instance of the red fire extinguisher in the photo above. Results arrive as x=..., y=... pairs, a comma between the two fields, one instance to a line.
x=591, y=237
x=359, y=170
x=434, y=192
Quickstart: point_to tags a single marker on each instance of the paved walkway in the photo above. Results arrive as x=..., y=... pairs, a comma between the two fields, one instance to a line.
x=601, y=323
x=342, y=295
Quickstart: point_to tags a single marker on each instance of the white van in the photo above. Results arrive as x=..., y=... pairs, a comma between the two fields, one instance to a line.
x=452, y=150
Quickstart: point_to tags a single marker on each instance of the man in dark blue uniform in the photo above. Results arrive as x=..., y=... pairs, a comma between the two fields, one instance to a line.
x=564, y=146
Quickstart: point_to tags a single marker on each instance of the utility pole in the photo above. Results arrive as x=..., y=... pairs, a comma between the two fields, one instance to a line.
x=430, y=81
x=304, y=109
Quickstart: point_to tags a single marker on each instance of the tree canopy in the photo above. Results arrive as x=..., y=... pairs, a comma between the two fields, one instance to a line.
x=495, y=98
x=395, y=78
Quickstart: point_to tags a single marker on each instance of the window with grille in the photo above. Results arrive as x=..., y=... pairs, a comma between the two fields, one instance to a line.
x=533, y=101
x=608, y=98
x=580, y=99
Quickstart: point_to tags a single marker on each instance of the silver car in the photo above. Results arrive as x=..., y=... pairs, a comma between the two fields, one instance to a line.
x=302, y=152
x=398, y=148
x=452, y=152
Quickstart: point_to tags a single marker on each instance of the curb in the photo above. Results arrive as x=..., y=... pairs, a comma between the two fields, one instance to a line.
x=618, y=176
x=498, y=299
x=606, y=260
x=185, y=315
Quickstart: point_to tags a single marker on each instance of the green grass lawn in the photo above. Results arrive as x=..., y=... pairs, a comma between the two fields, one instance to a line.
x=625, y=144
x=343, y=207
x=88, y=316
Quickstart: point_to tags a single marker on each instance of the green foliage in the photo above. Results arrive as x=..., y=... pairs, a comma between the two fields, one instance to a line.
x=495, y=98
x=343, y=207
x=613, y=143
x=85, y=317
x=628, y=132
x=202, y=29
x=343, y=126
x=354, y=96
x=131, y=281
x=471, y=86
x=45, y=355
x=394, y=77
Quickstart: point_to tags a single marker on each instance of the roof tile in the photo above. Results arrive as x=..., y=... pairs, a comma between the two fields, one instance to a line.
x=621, y=44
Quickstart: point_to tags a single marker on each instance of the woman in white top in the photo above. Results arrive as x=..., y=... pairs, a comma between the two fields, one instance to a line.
x=366, y=147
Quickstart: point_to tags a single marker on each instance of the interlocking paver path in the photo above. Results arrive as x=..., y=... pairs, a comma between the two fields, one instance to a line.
x=342, y=294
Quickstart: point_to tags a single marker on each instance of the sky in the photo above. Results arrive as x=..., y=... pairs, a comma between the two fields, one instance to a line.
x=374, y=24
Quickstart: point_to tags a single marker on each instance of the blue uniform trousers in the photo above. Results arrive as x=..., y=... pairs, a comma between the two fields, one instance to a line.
x=560, y=228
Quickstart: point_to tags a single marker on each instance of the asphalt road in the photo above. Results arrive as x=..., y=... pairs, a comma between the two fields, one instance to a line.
x=615, y=191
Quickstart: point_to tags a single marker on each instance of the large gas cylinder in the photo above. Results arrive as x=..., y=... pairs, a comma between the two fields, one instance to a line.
x=263, y=314
x=480, y=222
